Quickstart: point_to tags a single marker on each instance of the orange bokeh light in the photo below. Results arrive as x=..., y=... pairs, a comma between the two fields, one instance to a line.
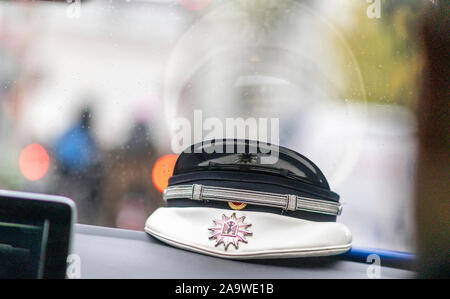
x=162, y=171
x=34, y=162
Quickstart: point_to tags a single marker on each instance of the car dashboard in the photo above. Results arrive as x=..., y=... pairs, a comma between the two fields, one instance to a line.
x=117, y=253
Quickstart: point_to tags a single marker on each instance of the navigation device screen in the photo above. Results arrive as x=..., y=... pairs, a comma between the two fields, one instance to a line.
x=22, y=249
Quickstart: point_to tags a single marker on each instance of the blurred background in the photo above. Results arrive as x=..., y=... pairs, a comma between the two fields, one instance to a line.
x=88, y=90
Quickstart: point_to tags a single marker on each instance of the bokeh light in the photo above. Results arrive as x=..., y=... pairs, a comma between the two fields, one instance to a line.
x=194, y=4
x=34, y=162
x=162, y=171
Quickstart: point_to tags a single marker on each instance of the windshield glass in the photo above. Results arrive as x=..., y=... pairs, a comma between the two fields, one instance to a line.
x=98, y=99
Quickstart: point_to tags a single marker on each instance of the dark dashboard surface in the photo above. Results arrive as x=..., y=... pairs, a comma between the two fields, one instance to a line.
x=117, y=253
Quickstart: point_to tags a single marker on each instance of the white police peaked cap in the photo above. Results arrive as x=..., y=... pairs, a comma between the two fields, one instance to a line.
x=227, y=203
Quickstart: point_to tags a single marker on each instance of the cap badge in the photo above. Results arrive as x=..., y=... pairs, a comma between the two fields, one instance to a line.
x=230, y=230
x=237, y=205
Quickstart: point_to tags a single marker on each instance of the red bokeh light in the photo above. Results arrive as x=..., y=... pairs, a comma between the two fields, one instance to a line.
x=34, y=162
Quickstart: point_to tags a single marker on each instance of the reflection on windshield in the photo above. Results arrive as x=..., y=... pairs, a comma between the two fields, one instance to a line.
x=89, y=92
